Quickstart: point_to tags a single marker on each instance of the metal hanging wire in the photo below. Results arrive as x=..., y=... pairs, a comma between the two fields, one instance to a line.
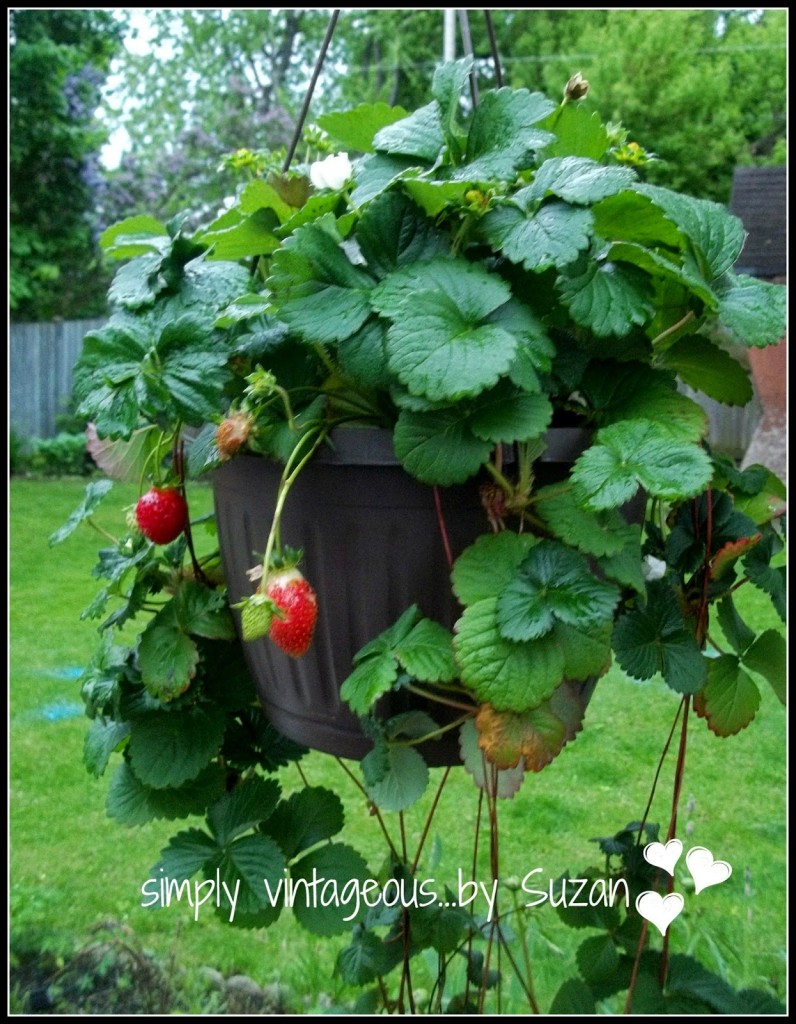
x=310, y=90
x=467, y=43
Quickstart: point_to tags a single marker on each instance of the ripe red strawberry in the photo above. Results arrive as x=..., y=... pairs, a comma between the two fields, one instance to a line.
x=297, y=604
x=161, y=514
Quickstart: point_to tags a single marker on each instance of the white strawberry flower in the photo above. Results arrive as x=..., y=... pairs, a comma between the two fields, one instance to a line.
x=333, y=172
x=653, y=568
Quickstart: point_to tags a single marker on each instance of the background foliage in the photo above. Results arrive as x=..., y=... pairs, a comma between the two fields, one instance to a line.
x=704, y=89
x=58, y=64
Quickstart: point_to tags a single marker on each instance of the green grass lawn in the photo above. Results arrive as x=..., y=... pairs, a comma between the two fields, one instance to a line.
x=72, y=867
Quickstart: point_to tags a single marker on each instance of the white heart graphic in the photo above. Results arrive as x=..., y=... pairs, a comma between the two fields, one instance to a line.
x=704, y=869
x=659, y=910
x=661, y=856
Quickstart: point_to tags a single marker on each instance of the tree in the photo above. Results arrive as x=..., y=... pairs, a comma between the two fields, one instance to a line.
x=58, y=63
x=229, y=79
x=708, y=86
x=222, y=80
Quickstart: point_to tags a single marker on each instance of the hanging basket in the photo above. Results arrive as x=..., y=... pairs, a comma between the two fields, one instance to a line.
x=372, y=547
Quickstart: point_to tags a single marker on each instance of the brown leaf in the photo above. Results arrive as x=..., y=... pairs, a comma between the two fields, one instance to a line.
x=534, y=736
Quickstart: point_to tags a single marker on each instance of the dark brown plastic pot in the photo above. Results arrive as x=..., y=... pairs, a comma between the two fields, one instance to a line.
x=372, y=547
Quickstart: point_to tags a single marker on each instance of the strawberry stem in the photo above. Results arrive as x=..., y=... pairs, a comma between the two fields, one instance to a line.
x=289, y=475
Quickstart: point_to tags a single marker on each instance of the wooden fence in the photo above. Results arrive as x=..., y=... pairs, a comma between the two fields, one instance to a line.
x=41, y=358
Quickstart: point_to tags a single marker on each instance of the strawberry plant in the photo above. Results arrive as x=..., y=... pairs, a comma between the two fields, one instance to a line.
x=477, y=278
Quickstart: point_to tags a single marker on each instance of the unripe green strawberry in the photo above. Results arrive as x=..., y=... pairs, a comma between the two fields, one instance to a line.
x=161, y=514
x=297, y=610
x=256, y=615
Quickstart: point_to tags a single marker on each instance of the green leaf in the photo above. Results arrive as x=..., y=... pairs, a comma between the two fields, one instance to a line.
x=386, y=641
x=355, y=129
x=102, y=739
x=259, y=194
x=316, y=290
x=593, y=533
x=502, y=134
x=439, y=345
x=104, y=379
x=367, y=958
x=730, y=699
x=364, y=355
x=739, y=635
x=487, y=566
x=130, y=802
x=753, y=312
x=137, y=283
x=419, y=134
x=402, y=776
x=433, y=196
x=504, y=415
x=376, y=173
x=186, y=853
x=93, y=495
x=709, y=369
x=393, y=233
x=426, y=653
x=306, y=818
x=249, y=803
x=768, y=657
x=409, y=725
x=447, y=86
x=575, y=179
x=510, y=676
x=638, y=452
x=606, y=297
x=551, y=237
x=203, y=612
x=768, y=578
x=338, y=872
x=578, y=132
x=192, y=371
x=574, y=998
x=687, y=977
x=234, y=236
x=313, y=207
x=717, y=234
x=535, y=351
x=625, y=566
x=631, y=217
x=256, y=862
x=371, y=678
x=553, y=583
x=134, y=236
x=587, y=650
x=655, y=638
x=439, y=447
x=168, y=748
x=168, y=658
x=124, y=372
x=634, y=392
x=597, y=957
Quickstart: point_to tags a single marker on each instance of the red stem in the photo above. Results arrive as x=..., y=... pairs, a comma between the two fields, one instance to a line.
x=678, y=785
x=442, y=528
